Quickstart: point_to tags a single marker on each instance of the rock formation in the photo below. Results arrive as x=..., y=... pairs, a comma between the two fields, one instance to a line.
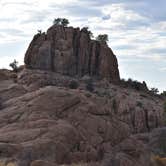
x=70, y=51
x=45, y=122
x=54, y=125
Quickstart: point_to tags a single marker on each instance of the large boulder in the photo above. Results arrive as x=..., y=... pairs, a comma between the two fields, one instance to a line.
x=70, y=51
x=60, y=125
x=57, y=125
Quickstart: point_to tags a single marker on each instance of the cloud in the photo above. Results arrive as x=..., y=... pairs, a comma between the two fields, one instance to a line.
x=128, y=26
x=163, y=69
x=136, y=29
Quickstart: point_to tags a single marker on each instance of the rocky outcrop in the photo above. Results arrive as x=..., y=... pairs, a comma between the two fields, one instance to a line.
x=7, y=75
x=44, y=121
x=141, y=111
x=53, y=125
x=70, y=51
x=39, y=124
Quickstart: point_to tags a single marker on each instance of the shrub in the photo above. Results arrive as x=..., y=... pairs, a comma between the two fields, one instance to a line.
x=102, y=38
x=134, y=84
x=73, y=84
x=115, y=106
x=163, y=93
x=57, y=21
x=39, y=31
x=154, y=90
x=65, y=22
x=61, y=21
x=90, y=86
x=14, y=65
x=139, y=104
x=86, y=29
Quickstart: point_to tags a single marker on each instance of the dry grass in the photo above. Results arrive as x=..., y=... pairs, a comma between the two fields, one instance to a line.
x=160, y=161
x=2, y=163
x=11, y=164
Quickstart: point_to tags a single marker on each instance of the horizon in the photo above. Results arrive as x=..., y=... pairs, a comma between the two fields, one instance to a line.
x=137, y=31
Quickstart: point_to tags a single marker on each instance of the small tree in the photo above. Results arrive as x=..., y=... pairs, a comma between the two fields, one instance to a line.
x=61, y=21
x=102, y=38
x=57, y=21
x=39, y=31
x=64, y=22
x=14, y=65
x=163, y=93
x=86, y=29
x=154, y=90
x=90, y=85
x=73, y=84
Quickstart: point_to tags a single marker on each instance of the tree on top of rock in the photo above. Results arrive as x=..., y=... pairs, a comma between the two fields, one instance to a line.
x=61, y=21
x=57, y=21
x=154, y=90
x=102, y=38
x=163, y=93
x=86, y=29
x=14, y=65
x=65, y=22
x=39, y=31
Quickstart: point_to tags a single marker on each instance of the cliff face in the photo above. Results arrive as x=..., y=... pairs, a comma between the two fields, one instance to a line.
x=70, y=51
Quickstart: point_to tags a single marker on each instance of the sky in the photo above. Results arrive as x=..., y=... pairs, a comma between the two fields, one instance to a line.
x=136, y=29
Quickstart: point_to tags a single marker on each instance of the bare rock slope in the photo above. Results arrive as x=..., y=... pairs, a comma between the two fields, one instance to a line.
x=53, y=125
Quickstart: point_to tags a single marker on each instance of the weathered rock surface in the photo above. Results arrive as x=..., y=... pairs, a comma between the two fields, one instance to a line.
x=139, y=110
x=53, y=125
x=70, y=51
x=44, y=121
x=6, y=75
x=57, y=125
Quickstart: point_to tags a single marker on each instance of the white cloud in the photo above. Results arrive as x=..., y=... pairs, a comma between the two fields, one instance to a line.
x=136, y=32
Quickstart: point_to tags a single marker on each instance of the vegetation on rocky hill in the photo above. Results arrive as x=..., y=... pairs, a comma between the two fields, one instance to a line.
x=70, y=106
x=61, y=21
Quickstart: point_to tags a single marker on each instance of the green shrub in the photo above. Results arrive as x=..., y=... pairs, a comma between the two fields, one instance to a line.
x=61, y=21
x=102, y=38
x=163, y=93
x=14, y=65
x=73, y=84
x=90, y=86
x=39, y=31
x=86, y=30
x=134, y=84
x=154, y=90
x=139, y=104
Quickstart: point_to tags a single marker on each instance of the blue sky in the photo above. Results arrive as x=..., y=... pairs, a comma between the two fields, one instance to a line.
x=136, y=29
